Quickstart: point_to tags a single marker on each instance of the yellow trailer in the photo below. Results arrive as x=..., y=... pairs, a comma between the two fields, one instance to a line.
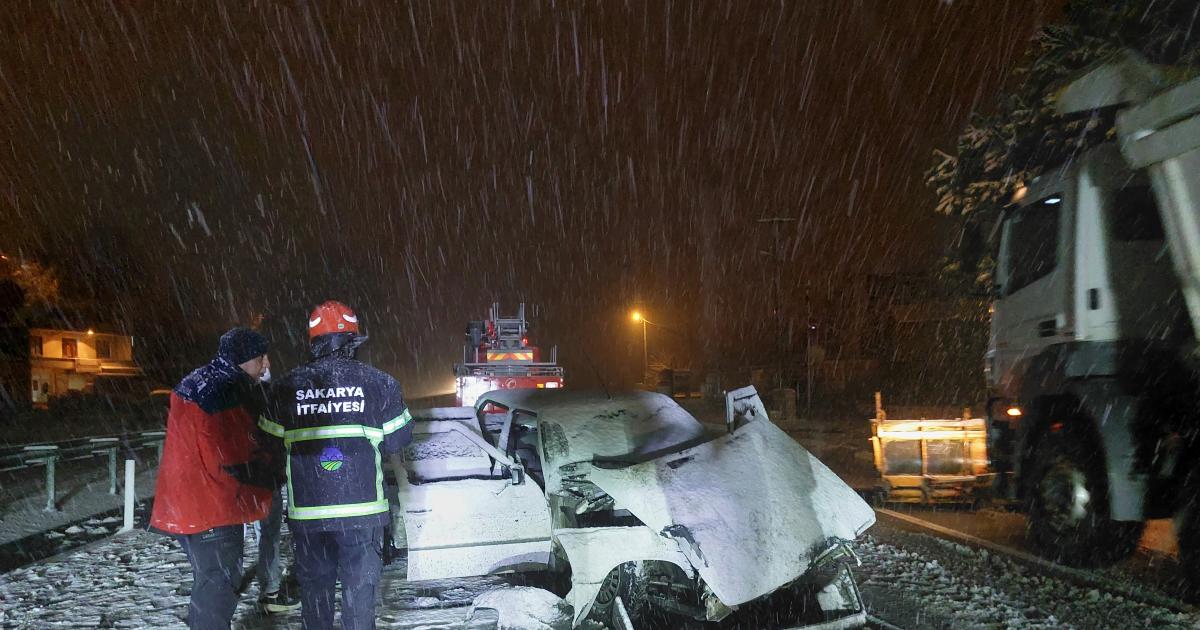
x=930, y=460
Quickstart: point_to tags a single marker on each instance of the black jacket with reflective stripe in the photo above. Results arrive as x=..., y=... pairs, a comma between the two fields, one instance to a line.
x=337, y=419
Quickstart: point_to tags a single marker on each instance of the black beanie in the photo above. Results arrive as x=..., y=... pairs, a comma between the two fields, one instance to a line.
x=241, y=344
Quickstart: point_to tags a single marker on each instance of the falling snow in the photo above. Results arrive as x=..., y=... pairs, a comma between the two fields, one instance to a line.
x=795, y=195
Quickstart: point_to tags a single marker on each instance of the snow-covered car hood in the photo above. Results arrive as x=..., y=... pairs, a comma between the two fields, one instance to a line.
x=750, y=510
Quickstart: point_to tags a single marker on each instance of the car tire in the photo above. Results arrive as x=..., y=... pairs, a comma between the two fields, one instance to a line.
x=1068, y=507
x=624, y=581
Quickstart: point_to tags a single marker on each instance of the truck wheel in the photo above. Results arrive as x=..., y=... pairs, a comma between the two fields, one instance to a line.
x=1188, y=535
x=1068, y=508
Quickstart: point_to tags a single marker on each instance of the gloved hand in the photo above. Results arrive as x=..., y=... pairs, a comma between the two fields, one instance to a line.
x=259, y=473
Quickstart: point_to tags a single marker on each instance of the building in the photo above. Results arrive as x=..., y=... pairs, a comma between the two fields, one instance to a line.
x=930, y=337
x=62, y=362
x=52, y=347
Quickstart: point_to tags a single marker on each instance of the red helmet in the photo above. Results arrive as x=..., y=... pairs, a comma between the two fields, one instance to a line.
x=331, y=317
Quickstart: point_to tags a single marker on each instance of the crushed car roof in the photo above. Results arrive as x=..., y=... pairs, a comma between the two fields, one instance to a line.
x=579, y=426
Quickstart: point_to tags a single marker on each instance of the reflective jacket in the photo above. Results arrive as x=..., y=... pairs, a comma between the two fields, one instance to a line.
x=337, y=418
x=210, y=426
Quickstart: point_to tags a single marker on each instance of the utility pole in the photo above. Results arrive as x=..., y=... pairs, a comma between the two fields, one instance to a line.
x=638, y=317
x=776, y=298
x=808, y=325
x=645, y=353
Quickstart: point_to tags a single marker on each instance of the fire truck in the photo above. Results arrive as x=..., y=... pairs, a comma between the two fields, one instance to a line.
x=497, y=355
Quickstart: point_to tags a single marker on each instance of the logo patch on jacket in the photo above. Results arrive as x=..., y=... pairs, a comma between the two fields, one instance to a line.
x=332, y=458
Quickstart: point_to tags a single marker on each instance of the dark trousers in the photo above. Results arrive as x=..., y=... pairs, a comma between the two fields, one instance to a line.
x=269, y=571
x=216, y=557
x=354, y=556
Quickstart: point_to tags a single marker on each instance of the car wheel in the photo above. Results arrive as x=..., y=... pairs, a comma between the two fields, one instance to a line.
x=1068, y=507
x=625, y=581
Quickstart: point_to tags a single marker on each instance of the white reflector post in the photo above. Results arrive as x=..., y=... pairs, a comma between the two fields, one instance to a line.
x=129, y=494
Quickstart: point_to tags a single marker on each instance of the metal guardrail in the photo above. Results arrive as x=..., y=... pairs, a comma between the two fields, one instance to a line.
x=50, y=454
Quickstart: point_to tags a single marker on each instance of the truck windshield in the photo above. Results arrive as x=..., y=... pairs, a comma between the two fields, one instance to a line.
x=1032, y=243
x=1134, y=215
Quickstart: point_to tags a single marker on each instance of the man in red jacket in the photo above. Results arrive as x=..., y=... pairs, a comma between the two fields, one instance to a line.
x=213, y=478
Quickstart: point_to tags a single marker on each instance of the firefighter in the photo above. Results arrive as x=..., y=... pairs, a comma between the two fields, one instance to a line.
x=337, y=418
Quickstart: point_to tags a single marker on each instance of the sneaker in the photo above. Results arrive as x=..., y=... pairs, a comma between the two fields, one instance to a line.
x=280, y=601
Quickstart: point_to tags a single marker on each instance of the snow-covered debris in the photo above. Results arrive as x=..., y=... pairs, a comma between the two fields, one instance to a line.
x=527, y=608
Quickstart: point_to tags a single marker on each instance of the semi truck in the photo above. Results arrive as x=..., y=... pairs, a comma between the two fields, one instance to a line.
x=1094, y=417
x=498, y=355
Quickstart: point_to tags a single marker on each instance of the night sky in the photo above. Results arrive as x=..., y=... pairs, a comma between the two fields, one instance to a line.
x=189, y=167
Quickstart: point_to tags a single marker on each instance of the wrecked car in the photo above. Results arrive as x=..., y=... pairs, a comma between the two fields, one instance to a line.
x=649, y=512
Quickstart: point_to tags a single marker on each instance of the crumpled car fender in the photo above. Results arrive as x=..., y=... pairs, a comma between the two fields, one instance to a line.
x=750, y=510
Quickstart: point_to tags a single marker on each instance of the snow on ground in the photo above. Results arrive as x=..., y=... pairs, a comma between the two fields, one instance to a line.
x=78, y=498
x=142, y=580
x=130, y=581
x=941, y=583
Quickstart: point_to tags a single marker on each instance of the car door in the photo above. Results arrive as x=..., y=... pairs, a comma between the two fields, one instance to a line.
x=460, y=518
x=1032, y=311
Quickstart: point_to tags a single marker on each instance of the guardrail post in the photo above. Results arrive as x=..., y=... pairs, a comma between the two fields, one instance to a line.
x=129, y=496
x=112, y=470
x=160, y=437
x=111, y=451
x=50, y=452
x=50, y=483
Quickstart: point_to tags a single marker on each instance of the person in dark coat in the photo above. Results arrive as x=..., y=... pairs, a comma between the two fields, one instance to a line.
x=214, y=477
x=337, y=419
x=276, y=595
